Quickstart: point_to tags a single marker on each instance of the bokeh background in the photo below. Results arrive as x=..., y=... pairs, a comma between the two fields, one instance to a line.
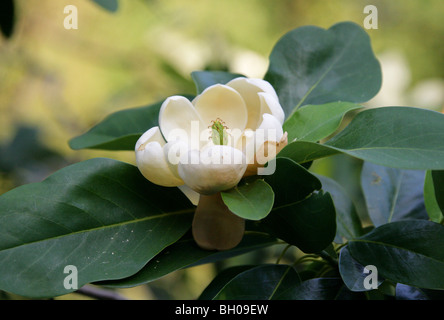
x=57, y=83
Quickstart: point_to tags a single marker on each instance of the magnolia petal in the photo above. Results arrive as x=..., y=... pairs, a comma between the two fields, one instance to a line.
x=173, y=152
x=266, y=152
x=192, y=195
x=151, y=160
x=178, y=120
x=214, y=226
x=212, y=170
x=249, y=93
x=223, y=102
x=269, y=130
x=265, y=87
x=151, y=135
x=271, y=105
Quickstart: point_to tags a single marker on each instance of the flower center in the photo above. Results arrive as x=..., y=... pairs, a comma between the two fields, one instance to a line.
x=219, y=133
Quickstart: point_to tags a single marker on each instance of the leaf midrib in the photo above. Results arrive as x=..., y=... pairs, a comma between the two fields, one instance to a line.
x=397, y=247
x=122, y=223
x=330, y=67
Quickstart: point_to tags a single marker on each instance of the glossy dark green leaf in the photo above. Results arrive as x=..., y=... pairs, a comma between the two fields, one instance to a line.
x=204, y=79
x=315, y=122
x=263, y=282
x=250, y=200
x=405, y=292
x=291, y=182
x=400, y=137
x=185, y=253
x=311, y=65
x=304, y=152
x=408, y=251
x=438, y=184
x=309, y=224
x=393, y=194
x=353, y=273
x=319, y=289
x=430, y=199
x=101, y=216
x=347, y=220
x=222, y=278
x=119, y=130
x=110, y=5
x=299, y=217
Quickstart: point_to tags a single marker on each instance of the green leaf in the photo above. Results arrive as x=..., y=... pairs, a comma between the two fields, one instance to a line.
x=110, y=5
x=119, y=130
x=291, y=182
x=311, y=65
x=101, y=216
x=250, y=200
x=352, y=272
x=309, y=224
x=204, y=79
x=223, y=277
x=319, y=289
x=347, y=220
x=315, y=122
x=299, y=217
x=401, y=137
x=262, y=282
x=430, y=200
x=185, y=253
x=438, y=184
x=409, y=252
x=404, y=292
x=305, y=152
x=393, y=194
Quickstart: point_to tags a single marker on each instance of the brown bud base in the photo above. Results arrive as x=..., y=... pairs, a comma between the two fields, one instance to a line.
x=215, y=227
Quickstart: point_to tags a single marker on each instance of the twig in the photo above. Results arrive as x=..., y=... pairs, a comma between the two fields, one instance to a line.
x=99, y=293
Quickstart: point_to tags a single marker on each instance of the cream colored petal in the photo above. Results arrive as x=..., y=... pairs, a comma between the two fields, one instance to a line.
x=270, y=129
x=265, y=87
x=192, y=195
x=271, y=105
x=178, y=120
x=264, y=154
x=215, y=169
x=249, y=93
x=223, y=102
x=151, y=160
x=150, y=135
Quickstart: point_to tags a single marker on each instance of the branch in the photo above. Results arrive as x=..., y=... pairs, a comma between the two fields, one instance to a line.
x=99, y=293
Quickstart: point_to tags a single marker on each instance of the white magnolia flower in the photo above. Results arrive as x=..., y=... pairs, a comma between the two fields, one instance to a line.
x=207, y=145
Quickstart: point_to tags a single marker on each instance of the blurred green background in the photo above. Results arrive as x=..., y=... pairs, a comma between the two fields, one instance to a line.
x=57, y=83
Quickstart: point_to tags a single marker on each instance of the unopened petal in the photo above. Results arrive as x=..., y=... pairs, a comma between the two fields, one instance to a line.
x=215, y=169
